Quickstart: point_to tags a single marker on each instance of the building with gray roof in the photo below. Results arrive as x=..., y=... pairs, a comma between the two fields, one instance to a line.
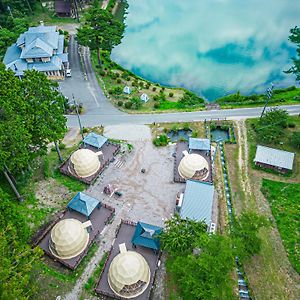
x=39, y=48
x=197, y=203
x=199, y=144
x=276, y=159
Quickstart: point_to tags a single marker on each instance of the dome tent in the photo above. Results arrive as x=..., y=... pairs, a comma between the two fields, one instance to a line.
x=85, y=162
x=69, y=238
x=127, y=90
x=193, y=165
x=144, y=97
x=128, y=274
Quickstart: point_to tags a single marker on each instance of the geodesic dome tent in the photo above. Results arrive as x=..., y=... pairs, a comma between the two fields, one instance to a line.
x=127, y=90
x=193, y=166
x=144, y=97
x=69, y=238
x=85, y=162
x=128, y=274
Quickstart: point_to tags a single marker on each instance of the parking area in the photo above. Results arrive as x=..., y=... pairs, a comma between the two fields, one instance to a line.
x=149, y=196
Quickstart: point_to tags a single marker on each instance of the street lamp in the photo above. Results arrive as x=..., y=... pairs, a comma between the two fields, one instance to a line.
x=269, y=94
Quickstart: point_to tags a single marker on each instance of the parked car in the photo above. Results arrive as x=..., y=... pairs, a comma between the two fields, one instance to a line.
x=68, y=73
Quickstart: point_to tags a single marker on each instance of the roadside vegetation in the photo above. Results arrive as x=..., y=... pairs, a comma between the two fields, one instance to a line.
x=284, y=202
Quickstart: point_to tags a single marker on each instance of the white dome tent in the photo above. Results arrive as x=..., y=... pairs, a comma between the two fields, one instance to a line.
x=127, y=90
x=193, y=166
x=85, y=162
x=144, y=97
x=128, y=274
x=69, y=238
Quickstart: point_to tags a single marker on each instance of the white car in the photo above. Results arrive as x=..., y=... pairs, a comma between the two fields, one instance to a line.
x=68, y=73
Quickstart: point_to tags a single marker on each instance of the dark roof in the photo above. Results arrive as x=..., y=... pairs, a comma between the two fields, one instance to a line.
x=62, y=6
x=146, y=235
x=83, y=204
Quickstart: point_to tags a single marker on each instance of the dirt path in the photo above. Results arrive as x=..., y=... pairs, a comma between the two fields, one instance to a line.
x=270, y=274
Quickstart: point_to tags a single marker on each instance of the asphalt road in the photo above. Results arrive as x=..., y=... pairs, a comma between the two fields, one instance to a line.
x=99, y=111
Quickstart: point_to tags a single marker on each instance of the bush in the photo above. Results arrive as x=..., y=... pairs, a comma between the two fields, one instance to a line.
x=85, y=130
x=128, y=104
x=120, y=103
x=189, y=99
x=62, y=146
x=154, y=89
x=291, y=125
x=102, y=73
x=171, y=94
x=175, y=128
x=195, y=134
x=295, y=139
x=156, y=105
x=186, y=126
x=119, y=80
x=161, y=140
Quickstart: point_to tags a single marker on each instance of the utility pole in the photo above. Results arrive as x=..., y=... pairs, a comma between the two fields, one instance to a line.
x=58, y=152
x=11, y=182
x=269, y=94
x=77, y=112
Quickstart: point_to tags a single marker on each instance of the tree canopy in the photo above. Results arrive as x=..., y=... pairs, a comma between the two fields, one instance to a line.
x=31, y=113
x=17, y=258
x=271, y=125
x=100, y=31
x=295, y=39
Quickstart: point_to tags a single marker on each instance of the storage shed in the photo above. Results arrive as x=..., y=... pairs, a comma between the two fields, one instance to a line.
x=275, y=159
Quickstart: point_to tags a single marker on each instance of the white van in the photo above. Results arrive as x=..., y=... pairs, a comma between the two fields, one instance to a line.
x=68, y=73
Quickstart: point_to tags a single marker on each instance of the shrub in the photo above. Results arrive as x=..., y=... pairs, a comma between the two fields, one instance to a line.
x=102, y=73
x=291, y=125
x=189, y=99
x=117, y=74
x=295, y=139
x=85, y=130
x=161, y=140
x=128, y=104
x=156, y=105
x=62, y=146
x=120, y=103
x=194, y=134
x=186, y=126
x=154, y=89
x=171, y=94
x=156, y=98
x=119, y=80
x=175, y=128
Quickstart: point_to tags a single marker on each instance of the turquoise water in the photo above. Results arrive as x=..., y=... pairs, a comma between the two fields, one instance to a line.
x=213, y=47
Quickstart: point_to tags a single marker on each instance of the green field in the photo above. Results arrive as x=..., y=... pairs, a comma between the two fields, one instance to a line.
x=284, y=201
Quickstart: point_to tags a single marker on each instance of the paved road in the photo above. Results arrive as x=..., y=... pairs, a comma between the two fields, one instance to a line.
x=99, y=111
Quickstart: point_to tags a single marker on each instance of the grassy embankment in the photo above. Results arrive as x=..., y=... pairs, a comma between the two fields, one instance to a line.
x=270, y=274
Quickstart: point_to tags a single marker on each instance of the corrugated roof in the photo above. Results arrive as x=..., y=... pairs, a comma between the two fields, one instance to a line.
x=55, y=64
x=274, y=157
x=146, y=235
x=197, y=201
x=199, y=144
x=83, y=204
x=95, y=140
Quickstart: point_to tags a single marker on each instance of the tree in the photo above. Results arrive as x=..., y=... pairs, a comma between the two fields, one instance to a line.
x=295, y=139
x=136, y=103
x=271, y=125
x=295, y=39
x=17, y=258
x=101, y=31
x=245, y=234
x=199, y=263
x=180, y=235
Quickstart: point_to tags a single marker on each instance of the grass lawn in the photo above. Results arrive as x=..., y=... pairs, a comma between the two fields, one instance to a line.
x=284, y=201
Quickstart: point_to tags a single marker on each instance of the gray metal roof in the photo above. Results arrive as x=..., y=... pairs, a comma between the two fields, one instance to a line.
x=199, y=144
x=197, y=201
x=274, y=157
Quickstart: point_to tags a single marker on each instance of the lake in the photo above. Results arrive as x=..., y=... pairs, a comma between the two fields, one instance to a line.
x=212, y=47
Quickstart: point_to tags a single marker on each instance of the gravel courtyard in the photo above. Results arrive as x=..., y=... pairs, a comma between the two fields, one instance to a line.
x=149, y=196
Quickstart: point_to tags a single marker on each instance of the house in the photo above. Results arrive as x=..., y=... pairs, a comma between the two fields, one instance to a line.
x=40, y=48
x=127, y=90
x=197, y=202
x=275, y=159
x=95, y=140
x=62, y=8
